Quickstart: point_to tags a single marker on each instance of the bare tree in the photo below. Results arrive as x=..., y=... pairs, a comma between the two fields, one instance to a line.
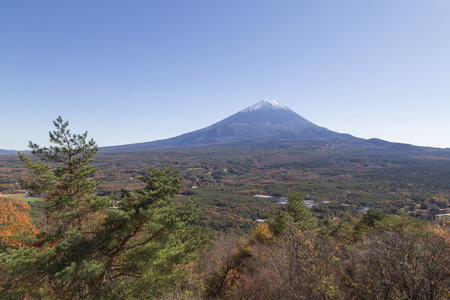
x=400, y=264
x=300, y=265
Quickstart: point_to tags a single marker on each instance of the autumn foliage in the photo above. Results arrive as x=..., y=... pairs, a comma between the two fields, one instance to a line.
x=389, y=257
x=14, y=221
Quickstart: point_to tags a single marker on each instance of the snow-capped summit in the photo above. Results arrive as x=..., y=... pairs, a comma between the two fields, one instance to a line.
x=266, y=104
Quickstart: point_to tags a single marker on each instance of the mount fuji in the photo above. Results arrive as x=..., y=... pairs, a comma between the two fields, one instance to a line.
x=265, y=122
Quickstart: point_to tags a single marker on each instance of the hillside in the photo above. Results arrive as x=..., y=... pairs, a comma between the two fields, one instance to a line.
x=3, y=151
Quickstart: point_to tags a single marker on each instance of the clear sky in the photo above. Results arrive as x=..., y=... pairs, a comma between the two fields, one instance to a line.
x=138, y=71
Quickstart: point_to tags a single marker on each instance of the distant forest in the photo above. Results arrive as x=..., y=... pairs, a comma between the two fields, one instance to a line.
x=343, y=180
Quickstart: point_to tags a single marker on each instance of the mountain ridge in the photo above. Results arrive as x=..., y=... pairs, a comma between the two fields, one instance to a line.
x=4, y=151
x=265, y=121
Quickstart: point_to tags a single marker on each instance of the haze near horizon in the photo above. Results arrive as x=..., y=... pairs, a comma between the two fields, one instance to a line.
x=144, y=71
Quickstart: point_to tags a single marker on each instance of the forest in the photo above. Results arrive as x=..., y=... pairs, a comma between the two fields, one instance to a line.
x=342, y=180
x=81, y=223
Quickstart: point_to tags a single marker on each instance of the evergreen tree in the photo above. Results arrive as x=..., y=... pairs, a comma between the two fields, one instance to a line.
x=92, y=246
x=372, y=216
x=296, y=213
x=63, y=176
x=299, y=213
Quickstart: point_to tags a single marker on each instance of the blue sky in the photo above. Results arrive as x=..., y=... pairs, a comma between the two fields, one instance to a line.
x=137, y=71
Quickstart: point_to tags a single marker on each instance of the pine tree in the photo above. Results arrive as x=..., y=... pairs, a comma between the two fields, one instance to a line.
x=299, y=213
x=92, y=246
x=63, y=175
x=295, y=213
